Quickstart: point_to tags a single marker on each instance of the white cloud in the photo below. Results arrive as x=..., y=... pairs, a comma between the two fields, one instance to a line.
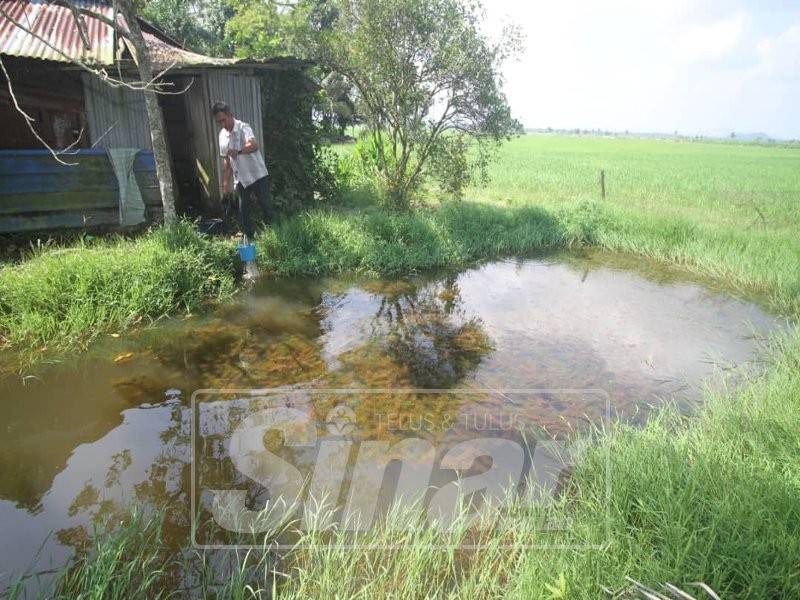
x=712, y=41
x=780, y=55
x=690, y=65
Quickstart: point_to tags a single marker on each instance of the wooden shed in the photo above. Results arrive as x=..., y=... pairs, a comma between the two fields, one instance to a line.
x=108, y=125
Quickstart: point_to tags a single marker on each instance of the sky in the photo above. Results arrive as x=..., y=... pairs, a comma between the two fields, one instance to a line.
x=697, y=67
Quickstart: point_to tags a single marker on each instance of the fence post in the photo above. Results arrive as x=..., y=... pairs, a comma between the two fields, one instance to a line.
x=603, y=183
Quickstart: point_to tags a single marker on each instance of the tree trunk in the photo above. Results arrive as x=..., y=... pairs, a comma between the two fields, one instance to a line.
x=155, y=117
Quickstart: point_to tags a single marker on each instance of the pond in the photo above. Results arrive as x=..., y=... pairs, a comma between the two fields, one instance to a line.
x=558, y=340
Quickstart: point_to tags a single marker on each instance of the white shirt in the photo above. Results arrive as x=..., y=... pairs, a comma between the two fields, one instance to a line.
x=247, y=168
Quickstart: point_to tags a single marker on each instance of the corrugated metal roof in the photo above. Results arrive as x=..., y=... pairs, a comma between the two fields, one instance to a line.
x=56, y=25
x=57, y=38
x=164, y=54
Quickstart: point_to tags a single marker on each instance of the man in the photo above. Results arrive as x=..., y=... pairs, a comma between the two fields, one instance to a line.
x=243, y=166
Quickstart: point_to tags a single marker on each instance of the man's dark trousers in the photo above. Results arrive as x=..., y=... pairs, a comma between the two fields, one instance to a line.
x=259, y=189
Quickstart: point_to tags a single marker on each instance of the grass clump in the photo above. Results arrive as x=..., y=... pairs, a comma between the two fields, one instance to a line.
x=123, y=560
x=374, y=242
x=65, y=297
x=381, y=243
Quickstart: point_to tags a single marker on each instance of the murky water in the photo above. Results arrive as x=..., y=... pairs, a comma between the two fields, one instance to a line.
x=85, y=439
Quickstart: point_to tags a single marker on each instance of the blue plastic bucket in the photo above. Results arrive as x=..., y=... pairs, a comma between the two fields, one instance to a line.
x=247, y=252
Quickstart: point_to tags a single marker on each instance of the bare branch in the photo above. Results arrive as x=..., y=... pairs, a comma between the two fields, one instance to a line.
x=105, y=133
x=82, y=30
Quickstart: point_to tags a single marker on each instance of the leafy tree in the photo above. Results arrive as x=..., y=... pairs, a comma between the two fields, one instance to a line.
x=258, y=28
x=267, y=28
x=428, y=86
x=338, y=107
x=199, y=25
x=214, y=16
x=298, y=168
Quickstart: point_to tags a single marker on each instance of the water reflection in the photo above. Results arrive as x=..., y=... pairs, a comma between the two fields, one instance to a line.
x=91, y=436
x=428, y=329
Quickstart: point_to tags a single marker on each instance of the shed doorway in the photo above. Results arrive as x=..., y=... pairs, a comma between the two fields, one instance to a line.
x=187, y=189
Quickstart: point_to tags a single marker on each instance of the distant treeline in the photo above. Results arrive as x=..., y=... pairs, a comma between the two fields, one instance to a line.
x=733, y=137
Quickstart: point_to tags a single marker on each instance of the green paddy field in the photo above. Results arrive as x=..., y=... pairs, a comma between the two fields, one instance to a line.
x=746, y=186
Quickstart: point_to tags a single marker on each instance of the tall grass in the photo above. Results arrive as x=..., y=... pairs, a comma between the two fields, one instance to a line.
x=123, y=561
x=64, y=297
x=456, y=234
x=743, y=186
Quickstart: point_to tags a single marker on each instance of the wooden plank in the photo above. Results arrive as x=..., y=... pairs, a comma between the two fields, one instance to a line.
x=14, y=162
x=145, y=161
x=21, y=204
x=37, y=193
x=148, y=187
x=78, y=181
x=59, y=220
x=40, y=161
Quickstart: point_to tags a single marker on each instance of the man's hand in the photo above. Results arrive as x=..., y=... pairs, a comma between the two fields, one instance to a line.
x=227, y=176
x=233, y=153
x=251, y=145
